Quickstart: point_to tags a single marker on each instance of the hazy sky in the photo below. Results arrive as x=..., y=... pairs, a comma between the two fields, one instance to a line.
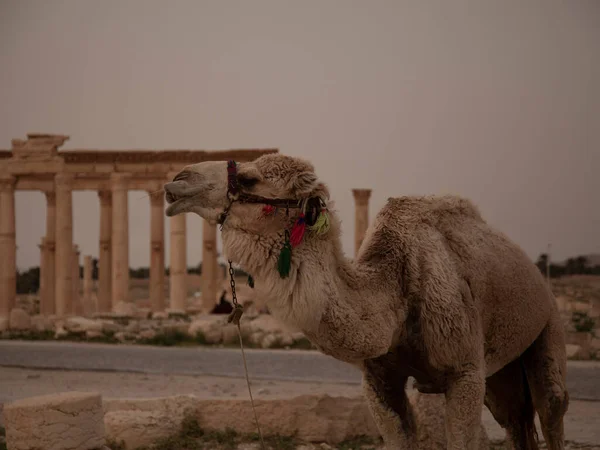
x=498, y=101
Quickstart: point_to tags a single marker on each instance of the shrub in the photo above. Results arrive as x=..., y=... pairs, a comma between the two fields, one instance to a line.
x=582, y=322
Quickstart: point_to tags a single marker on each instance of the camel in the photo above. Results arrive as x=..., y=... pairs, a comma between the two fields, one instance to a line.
x=434, y=293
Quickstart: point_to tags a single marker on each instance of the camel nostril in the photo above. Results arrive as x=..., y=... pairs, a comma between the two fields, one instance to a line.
x=170, y=197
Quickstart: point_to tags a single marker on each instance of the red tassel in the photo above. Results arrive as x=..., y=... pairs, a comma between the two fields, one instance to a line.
x=298, y=231
x=268, y=210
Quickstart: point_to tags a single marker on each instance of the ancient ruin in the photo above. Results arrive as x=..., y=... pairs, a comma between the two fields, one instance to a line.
x=37, y=164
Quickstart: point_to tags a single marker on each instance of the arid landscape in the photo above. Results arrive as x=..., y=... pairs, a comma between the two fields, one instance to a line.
x=148, y=384
x=331, y=165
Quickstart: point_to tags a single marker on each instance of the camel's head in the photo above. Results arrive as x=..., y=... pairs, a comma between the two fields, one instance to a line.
x=207, y=188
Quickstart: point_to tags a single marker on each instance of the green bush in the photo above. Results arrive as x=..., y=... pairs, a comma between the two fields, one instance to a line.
x=582, y=322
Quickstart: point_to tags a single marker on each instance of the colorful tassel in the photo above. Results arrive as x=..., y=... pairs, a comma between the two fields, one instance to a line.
x=250, y=281
x=322, y=224
x=284, y=262
x=298, y=231
x=268, y=210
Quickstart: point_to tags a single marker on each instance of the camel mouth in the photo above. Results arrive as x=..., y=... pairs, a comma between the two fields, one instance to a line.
x=178, y=195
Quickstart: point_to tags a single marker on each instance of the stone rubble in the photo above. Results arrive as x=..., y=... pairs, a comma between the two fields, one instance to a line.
x=19, y=320
x=321, y=419
x=65, y=421
x=258, y=330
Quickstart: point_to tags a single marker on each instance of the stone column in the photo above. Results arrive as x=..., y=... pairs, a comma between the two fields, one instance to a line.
x=178, y=265
x=42, y=289
x=64, y=244
x=157, y=251
x=210, y=275
x=87, y=301
x=48, y=272
x=105, y=253
x=120, y=239
x=8, y=246
x=77, y=306
x=361, y=201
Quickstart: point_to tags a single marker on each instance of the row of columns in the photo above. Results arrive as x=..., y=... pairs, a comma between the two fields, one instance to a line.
x=59, y=262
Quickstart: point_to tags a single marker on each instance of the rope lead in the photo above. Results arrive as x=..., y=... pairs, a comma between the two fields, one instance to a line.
x=234, y=317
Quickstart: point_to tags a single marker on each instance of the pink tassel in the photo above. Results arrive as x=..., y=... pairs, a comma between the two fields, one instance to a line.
x=298, y=231
x=268, y=210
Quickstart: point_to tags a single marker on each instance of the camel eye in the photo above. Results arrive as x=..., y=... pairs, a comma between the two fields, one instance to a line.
x=247, y=182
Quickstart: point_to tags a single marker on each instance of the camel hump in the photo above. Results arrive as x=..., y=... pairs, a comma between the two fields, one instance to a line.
x=400, y=224
x=432, y=209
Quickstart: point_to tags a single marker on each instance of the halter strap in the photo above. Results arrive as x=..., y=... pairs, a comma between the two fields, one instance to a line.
x=234, y=194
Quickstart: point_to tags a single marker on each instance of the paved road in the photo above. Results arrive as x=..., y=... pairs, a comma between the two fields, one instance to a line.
x=583, y=377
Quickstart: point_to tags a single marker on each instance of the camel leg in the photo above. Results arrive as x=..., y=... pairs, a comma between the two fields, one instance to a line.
x=508, y=398
x=546, y=368
x=464, y=403
x=389, y=405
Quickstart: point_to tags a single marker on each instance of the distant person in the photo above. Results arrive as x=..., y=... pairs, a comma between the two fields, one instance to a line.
x=224, y=306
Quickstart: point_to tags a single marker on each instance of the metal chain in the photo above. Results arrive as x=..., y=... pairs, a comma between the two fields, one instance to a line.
x=232, y=283
x=234, y=317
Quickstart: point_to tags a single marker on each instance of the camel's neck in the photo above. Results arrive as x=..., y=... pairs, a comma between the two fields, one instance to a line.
x=339, y=304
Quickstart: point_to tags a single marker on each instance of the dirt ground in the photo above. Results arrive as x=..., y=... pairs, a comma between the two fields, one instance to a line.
x=582, y=423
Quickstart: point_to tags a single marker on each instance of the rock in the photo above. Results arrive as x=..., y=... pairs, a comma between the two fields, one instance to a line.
x=4, y=322
x=132, y=327
x=160, y=315
x=230, y=334
x=19, y=320
x=122, y=336
x=108, y=326
x=573, y=351
x=141, y=422
x=297, y=336
x=210, y=326
x=313, y=418
x=583, y=340
x=285, y=339
x=148, y=325
x=256, y=337
x=81, y=325
x=66, y=421
x=323, y=418
x=60, y=333
x=563, y=303
x=581, y=306
x=125, y=309
x=269, y=340
x=52, y=320
x=94, y=334
x=40, y=323
x=176, y=326
x=143, y=313
x=267, y=324
x=147, y=334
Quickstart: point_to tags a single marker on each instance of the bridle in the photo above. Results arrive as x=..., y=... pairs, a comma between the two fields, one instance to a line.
x=310, y=206
x=313, y=215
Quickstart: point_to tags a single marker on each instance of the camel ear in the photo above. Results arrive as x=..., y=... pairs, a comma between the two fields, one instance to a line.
x=304, y=183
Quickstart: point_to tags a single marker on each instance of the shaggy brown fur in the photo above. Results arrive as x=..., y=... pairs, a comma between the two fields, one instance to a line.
x=435, y=293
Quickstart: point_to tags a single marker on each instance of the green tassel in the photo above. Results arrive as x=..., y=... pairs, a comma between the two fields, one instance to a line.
x=284, y=262
x=251, y=281
x=321, y=226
